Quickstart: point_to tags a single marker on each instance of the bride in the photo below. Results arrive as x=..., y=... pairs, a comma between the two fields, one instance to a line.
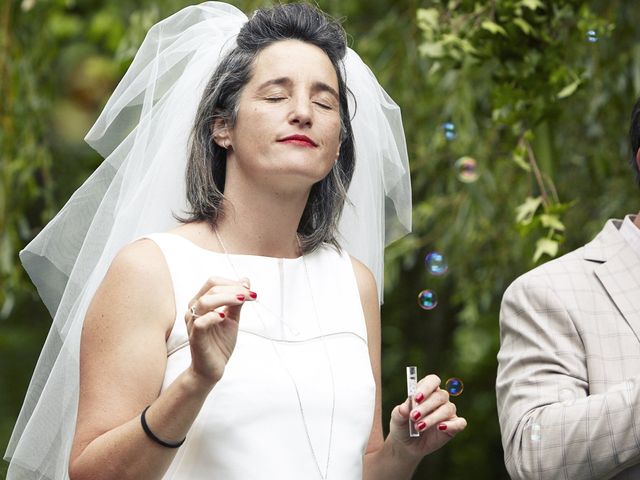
x=244, y=341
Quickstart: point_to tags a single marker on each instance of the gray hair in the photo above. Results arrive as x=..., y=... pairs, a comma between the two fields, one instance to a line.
x=206, y=167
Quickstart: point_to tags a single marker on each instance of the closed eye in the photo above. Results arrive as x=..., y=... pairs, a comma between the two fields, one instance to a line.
x=274, y=99
x=323, y=105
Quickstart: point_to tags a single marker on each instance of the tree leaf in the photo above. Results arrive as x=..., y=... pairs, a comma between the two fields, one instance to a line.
x=545, y=246
x=532, y=4
x=526, y=210
x=466, y=46
x=428, y=16
x=552, y=221
x=569, y=89
x=519, y=159
x=431, y=49
x=493, y=27
x=526, y=28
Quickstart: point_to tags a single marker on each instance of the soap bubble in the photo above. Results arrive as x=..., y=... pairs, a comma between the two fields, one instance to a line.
x=427, y=300
x=449, y=130
x=454, y=386
x=436, y=263
x=467, y=169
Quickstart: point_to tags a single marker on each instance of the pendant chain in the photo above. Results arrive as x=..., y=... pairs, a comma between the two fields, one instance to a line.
x=284, y=366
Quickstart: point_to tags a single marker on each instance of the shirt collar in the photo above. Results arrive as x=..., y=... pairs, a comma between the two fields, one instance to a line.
x=631, y=233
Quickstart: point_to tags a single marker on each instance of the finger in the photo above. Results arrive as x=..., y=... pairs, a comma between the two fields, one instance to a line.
x=233, y=311
x=429, y=404
x=400, y=414
x=238, y=289
x=207, y=321
x=191, y=314
x=198, y=308
x=427, y=385
x=201, y=324
x=442, y=414
x=212, y=282
x=228, y=299
x=453, y=426
x=235, y=290
x=226, y=289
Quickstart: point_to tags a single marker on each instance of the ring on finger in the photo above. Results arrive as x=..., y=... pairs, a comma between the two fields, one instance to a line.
x=194, y=314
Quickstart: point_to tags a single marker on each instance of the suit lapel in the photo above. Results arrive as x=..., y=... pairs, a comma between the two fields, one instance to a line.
x=619, y=272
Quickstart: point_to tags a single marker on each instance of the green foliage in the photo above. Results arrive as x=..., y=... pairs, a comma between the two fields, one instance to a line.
x=521, y=47
x=542, y=110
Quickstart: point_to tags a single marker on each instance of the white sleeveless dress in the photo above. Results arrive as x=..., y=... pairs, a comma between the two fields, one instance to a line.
x=252, y=425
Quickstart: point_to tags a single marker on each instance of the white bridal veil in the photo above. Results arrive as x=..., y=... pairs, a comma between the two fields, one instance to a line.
x=142, y=134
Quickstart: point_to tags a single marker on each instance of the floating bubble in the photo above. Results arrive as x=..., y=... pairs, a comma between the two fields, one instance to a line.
x=567, y=397
x=436, y=263
x=449, y=130
x=592, y=36
x=535, y=432
x=454, y=386
x=427, y=300
x=467, y=169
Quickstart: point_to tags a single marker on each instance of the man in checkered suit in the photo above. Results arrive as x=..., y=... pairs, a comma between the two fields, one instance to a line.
x=568, y=383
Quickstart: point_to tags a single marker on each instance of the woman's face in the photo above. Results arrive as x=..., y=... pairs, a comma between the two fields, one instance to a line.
x=287, y=131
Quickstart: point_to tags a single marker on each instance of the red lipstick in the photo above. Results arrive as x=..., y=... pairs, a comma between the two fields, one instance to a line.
x=297, y=139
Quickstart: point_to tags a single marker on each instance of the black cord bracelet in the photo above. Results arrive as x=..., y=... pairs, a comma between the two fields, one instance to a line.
x=152, y=436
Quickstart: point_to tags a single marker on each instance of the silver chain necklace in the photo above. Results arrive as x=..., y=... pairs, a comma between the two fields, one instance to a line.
x=324, y=475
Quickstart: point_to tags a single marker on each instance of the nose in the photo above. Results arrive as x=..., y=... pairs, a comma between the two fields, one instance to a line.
x=301, y=112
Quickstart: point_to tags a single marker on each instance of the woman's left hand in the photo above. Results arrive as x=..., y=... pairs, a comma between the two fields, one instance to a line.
x=434, y=416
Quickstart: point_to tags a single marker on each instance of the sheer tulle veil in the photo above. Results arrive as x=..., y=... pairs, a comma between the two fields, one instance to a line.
x=143, y=134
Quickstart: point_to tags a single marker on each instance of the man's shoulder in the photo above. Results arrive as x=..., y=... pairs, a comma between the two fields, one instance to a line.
x=566, y=272
x=556, y=282
x=576, y=264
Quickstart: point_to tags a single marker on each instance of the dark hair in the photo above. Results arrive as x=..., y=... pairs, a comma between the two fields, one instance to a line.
x=634, y=139
x=206, y=167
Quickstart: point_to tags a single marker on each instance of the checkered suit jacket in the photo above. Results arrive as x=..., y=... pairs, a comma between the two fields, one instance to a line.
x=568, y=384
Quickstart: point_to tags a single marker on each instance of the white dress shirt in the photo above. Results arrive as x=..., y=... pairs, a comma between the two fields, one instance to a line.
x=631, y=233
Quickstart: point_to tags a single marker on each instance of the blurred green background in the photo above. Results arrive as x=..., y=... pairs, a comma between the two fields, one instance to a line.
x=537, y=92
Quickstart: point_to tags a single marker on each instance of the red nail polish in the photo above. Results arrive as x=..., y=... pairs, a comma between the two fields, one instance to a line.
x=421, y=426
x=222, y=315
x=415, y=415
x=253, y=294
x=240, y=298
x=442, y=427
x=419, y=397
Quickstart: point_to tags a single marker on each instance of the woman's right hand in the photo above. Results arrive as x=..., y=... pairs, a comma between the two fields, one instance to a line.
x=213, y=329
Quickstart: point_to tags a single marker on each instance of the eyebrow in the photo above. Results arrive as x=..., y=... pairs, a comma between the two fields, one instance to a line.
x=287, y=82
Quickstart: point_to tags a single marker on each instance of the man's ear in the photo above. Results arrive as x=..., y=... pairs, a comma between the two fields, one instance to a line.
x=221, y=134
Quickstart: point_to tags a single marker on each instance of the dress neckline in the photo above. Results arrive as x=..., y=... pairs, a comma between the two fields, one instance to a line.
x=238, y=255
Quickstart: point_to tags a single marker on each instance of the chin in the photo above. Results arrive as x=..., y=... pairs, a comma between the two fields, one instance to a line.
x=293, y=181
x=305, y=171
